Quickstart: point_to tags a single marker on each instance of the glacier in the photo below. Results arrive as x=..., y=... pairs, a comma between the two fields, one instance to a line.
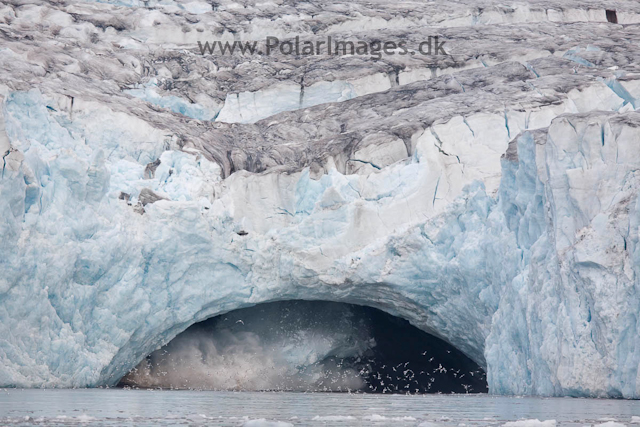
x=489, y=197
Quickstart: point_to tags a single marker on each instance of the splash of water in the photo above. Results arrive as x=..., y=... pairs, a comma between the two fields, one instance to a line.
x=299, y=345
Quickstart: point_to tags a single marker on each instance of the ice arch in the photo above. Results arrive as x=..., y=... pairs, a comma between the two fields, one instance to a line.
x=436, y=279
x=379, y=295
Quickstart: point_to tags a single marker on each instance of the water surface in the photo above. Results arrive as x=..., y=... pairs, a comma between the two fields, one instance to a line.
x=121, y=407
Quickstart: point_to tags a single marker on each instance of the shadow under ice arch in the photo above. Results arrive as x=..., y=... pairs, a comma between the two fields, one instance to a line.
x=308, y=346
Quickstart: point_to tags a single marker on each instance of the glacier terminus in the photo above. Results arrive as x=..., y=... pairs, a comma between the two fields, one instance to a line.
x=488, y=196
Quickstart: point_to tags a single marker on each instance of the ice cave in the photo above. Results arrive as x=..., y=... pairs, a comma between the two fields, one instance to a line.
x=308, y=346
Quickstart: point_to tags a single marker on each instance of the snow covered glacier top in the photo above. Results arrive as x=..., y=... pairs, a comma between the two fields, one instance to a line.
x=489, y=195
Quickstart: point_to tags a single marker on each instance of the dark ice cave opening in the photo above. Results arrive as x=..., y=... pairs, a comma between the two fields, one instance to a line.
x=310, y=346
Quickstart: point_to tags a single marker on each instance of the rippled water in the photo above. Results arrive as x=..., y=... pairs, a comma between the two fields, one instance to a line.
x=145, y=407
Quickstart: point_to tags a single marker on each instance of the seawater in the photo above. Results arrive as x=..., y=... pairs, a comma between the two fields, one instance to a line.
x=122, y=407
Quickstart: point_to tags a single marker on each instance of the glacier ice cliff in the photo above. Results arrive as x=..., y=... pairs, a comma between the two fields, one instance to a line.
x=488, y=196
